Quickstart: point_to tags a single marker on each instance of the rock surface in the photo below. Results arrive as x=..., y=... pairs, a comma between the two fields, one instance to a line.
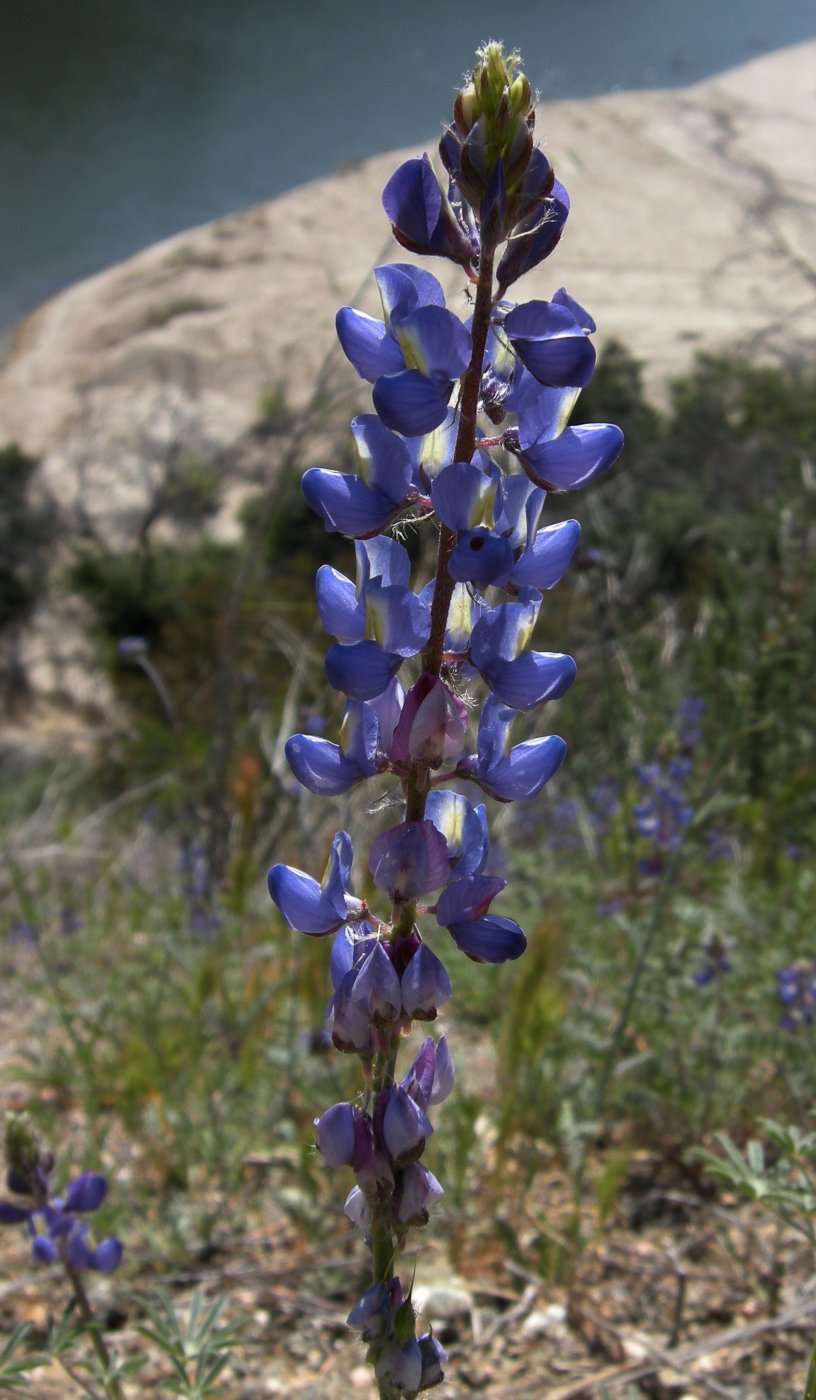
x=693, y=226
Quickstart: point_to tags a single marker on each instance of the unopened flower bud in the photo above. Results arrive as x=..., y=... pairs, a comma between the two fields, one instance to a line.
x=405, y=1127
x=372, y=1315
x=425, y=985
x=433, y=1358
x=415, y=1191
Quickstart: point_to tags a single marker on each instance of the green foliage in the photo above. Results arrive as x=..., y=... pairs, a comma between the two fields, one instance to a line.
x=201, y=1045
x=705, y=575
x=530, y=1074
x=28, y=526
x=153, y=593
x=274, y=412
x=18, y=1360
x=782, y=1175
x=197, y=1350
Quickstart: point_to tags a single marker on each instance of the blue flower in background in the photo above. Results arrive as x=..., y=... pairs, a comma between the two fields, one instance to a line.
x=796, y=986
x=57, y=1232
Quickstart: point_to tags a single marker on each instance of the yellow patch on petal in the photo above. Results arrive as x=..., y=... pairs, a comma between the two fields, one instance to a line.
x=414, y=358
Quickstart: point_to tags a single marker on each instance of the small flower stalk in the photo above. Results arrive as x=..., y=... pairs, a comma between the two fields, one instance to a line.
x=469, y=435
x=59, y=1231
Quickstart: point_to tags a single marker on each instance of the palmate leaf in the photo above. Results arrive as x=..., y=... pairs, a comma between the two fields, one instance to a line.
x=747, y=1171
x=200, y=1344
x=14, y=1369
x=790, y=1139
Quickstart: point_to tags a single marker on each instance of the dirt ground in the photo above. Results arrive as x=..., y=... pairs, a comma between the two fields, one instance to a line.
x=683, y=1295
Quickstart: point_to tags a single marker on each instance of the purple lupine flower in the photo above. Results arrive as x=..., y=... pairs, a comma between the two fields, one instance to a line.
x=422, y=217
x=495, y=521
x=519, y=369
x=414, y=356
x=329, y=769
x=535, y=236
x=401, y=1364
x=716, y=961
x=415, y=1191
x=377, y=987
x=409, y=860
x=24, y=932
x=521, y=679
x=430, y=1079
x=358, y=1210
x=511, y=774
x=462, y=910
x=362, y=504
x=431, y=727
x=345, y=1138
x=552, y=342
x=464, y=828
x=424, y=985
x=56, y=1232
x=372, y=1315
x=405, y=1128
x=312, y=908
x=796, y=986
x=362, y=665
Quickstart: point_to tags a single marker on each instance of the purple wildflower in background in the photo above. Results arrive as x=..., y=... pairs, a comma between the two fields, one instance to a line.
x=715, y=961
x=797, y=992
x=58, y=1231
x=24, y=932
x=469, y=436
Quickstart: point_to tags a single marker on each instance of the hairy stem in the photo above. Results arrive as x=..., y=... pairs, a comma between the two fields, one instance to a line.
x=113, y=1390
x=383, y=1245
x=465, y=448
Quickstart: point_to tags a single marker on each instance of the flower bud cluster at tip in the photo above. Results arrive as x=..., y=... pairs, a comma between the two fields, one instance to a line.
x=470, y=433
x=54, y=1222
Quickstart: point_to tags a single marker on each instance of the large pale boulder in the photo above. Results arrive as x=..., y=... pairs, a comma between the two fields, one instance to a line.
x=693, y=226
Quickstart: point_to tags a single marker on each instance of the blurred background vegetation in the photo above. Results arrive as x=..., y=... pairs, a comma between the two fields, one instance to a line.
x=665, y=878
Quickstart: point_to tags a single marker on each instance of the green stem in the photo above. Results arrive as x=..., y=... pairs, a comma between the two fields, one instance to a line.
x=384, y=1247
x=465, y=448
x=810, y=1383
x=113, y=1390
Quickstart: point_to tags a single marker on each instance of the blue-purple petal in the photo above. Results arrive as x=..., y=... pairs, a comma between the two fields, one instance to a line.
x=551, y=343
x=320, y=766
x=410, y=403
x=468, y=898
x=336, y=1135
x=342, y=612
x=425, y=984
x=409, y=860
x=434, y=341
x=362, y=670
x=461, y=493
x=531, y=679
x=346, y=504
x=543, y=565
x=575, y=458
x=44, y=1249
x=404, y=286
x=86, y=1192
x=302, y=902
x=526, y=769
x=107, y=1256
x=482, y=557
x=384, y=459
x=11, y=1214
x=490, y=940
x=367, y=344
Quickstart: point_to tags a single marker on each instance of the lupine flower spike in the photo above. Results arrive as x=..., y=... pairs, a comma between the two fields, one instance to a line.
x=469, y=435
